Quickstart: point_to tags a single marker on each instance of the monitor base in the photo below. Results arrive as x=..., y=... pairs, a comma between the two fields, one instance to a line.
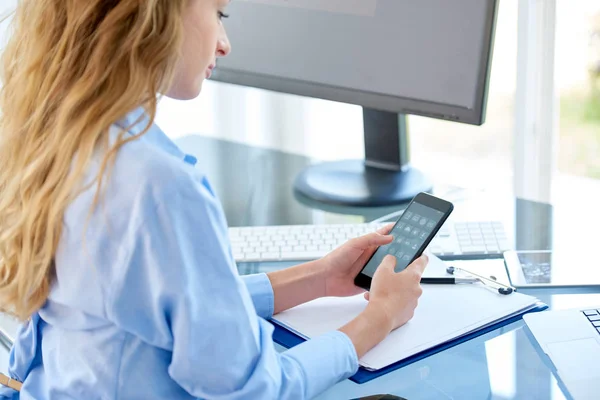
x=351, y=183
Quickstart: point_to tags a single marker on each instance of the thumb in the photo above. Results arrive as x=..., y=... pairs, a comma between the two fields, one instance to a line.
x=366, y=295
x=386, y=229
x=420, y=263
x=388, y=263
x=372, y=239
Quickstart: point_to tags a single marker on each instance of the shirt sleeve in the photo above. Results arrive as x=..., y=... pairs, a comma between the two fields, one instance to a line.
x=179, y=290
x=22, y=355
x=261, y=291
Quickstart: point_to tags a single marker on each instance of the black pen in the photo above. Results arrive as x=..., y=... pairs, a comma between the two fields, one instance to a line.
x=448, y=281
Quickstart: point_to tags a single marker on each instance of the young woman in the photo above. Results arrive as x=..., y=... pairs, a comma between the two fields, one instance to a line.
x=113, y=247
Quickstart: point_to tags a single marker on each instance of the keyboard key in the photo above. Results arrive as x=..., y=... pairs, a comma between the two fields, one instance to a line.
x=303, y=255
x=594, y=318
x=251, y=256
x=590, y=312
x=596, y=324
x=472, y=249
x=238, y=254
x=269, y=256
x=503, y=245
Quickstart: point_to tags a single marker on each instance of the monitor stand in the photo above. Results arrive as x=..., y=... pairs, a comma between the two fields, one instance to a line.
x=383, y=178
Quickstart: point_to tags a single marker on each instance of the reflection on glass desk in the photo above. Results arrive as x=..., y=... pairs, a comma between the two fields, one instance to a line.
x=255, y=187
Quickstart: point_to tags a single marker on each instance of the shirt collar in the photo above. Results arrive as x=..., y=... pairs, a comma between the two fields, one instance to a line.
x=137, y=120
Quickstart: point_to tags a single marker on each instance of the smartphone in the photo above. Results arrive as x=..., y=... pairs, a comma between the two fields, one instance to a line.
x=412, y=233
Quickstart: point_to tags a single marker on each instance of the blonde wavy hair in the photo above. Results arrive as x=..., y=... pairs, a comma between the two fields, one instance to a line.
x=70, y=70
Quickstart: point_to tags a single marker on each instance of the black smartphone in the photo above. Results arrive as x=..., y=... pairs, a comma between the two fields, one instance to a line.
x=412, y=233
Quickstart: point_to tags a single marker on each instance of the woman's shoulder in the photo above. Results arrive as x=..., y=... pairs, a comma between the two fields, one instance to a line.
x=157, y=169
x=143, y=176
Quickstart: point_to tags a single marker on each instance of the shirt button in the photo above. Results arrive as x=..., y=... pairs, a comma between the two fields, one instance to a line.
x=190, y=159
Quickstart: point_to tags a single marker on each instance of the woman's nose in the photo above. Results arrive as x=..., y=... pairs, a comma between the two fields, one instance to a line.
x=223, y=46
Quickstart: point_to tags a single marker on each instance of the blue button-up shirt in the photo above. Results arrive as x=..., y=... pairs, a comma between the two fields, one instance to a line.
x=147, y=302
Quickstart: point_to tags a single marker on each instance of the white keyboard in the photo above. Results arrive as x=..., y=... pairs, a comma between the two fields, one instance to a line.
x=459, y=240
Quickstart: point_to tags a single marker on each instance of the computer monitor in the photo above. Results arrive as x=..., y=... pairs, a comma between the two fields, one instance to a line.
x=392, y=57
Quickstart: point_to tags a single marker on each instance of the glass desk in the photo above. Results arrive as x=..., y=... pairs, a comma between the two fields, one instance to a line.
x=255, y=187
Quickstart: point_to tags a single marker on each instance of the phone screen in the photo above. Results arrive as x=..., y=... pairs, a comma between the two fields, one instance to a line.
x=410, y=233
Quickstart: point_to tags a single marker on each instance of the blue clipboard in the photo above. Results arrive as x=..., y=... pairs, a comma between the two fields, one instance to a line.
x=288, y=339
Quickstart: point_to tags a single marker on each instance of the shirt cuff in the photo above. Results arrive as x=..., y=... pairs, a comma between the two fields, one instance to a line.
x=7, y=393
x=325, y=360
x=261, y=293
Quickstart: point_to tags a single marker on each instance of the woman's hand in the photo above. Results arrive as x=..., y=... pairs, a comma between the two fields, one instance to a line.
x=332, y=275
x=343, y=264
x=392, y=302
x=397, y=293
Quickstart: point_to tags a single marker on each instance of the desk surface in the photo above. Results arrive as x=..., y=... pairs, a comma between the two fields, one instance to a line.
x=255, y=187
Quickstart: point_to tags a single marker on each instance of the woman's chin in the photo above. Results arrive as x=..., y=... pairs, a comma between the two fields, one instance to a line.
x=188, y=92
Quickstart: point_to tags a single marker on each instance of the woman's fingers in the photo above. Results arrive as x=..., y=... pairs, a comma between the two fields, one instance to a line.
x=384, y=230
x=371, y=240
